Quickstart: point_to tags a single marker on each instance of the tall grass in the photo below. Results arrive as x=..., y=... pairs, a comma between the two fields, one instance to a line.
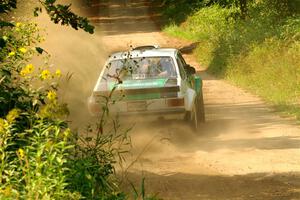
x=260, y=53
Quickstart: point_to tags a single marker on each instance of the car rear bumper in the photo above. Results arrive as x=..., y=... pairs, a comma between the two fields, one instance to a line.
x=158, y=107
x=153, y=112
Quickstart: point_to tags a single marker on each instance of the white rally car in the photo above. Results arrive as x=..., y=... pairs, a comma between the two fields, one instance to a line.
x=149, y=80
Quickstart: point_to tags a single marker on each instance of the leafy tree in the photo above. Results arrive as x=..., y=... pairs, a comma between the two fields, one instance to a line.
x=284, y=7
x=242, y=4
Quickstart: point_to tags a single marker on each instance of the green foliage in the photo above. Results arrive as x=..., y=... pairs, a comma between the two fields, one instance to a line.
x=17, y=73
x=61, y=14
x=33, y=146
x=283, y=7
x=7, y=5
x=141, y=194
x=204, y=24
x=32, y=161
x=177, y=11
x=270, y=69
x=260, y=52
x=40, y=157
x=97, y=152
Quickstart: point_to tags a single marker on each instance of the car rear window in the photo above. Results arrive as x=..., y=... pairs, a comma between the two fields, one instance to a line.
x=141, y=68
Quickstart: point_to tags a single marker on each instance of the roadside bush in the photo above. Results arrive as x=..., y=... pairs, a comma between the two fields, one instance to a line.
x=260, y=52
x=208, y=23
x=177, y=11
x=40, y=157
x=33, y=139
x=92, y=163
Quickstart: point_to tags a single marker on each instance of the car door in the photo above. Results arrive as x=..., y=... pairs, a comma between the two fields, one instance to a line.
x=182, y=73
x=185, y=84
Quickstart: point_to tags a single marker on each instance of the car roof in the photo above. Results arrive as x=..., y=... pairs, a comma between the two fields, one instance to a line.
x=147, y=52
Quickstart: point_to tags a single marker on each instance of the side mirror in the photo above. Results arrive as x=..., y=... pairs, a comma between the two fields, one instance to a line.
x=190, y=70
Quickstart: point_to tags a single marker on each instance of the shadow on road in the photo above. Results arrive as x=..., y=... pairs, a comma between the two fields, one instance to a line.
x=123, y=17
x=240, y=128
x=285, y=186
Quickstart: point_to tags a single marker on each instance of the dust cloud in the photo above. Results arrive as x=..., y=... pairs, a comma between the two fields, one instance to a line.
x=241, y=135
x=79, y=55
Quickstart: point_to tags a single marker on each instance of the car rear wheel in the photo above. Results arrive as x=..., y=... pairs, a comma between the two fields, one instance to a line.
x=194, y=117
x=201, y=111
x=197, y=115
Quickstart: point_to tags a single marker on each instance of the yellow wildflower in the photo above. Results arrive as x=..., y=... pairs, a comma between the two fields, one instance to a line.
x=2, y=125
x=58, y=73
x=51, y=95
x=45, y=74
x=12, y=115
x=21, y=153
x=12, y=53
x=7, y=191
x=18, y=24
x=27, y=70
x=5, y=38
x=22, y=50
x=23, y=72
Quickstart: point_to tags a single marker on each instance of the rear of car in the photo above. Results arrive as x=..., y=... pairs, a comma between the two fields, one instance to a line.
x=140, y=82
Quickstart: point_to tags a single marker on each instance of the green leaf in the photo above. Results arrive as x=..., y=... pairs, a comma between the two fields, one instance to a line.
x=50, y=1
x=39, y=50
x=2, y=43
x=62, y=14
x=4, y=24
x=143, y=188
x=136, y=194
x=36, y=11
x=7, y=6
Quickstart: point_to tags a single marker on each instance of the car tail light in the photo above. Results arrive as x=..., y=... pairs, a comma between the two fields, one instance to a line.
x=175, y=102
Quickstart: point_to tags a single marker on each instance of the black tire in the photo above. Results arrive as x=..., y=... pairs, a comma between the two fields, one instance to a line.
x=194, y=117
x=197, y=115
x=201, y=110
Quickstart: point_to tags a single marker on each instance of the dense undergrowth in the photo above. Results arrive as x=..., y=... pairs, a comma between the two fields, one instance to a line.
x=260, y=52
x=40, y=157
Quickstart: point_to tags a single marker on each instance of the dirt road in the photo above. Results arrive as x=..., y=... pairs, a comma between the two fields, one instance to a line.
x=245, y=150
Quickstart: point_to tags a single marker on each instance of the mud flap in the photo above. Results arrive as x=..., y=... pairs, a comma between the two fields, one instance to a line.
x=189, y=99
